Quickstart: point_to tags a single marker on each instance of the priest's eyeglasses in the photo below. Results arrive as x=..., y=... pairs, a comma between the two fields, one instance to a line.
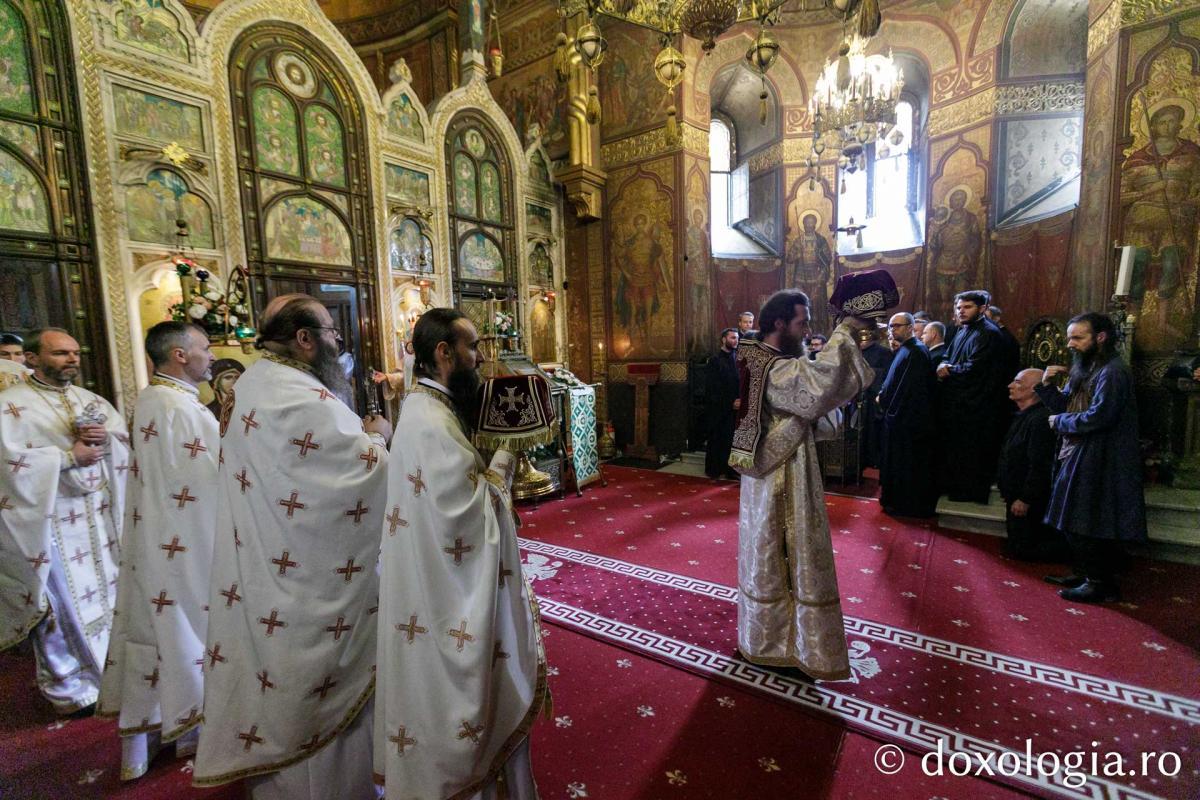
x=337, y=334
x=897, y=325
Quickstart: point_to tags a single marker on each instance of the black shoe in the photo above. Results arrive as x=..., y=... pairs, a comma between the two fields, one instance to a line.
x=1091, y=592
x=1069, y=581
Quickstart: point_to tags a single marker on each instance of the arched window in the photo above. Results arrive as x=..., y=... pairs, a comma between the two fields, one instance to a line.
x=305, y=183
x=47, y=272
x=729, y=194
x=881, y=191
x=481, y=216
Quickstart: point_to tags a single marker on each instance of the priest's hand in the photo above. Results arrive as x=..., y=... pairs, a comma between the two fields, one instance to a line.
x=373, y=423
x=943, y=370
x=1019, y=508
x=1051, y=374
x=93, y=434
x=1196, y=374
x=85, y=454
x=860, y=323
x=737, y=404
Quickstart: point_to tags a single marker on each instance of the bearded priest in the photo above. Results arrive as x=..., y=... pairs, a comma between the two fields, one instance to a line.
x=64, y=455
x=289, y=665
x=461, y=670
x=153, y=681
x=789, y=611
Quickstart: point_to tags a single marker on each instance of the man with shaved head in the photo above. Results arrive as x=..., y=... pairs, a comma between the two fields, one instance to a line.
x=905, y=404
x=290, y=653
x=1026, y=464
x=64, y=457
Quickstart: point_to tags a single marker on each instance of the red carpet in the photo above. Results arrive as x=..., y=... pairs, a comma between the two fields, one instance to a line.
x=952, y=644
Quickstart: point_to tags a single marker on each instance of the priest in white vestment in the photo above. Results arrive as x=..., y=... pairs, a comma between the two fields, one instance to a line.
x=154, y=681
x=64, y=455
x=289, y=664
x=789, y=611
x=461, y=673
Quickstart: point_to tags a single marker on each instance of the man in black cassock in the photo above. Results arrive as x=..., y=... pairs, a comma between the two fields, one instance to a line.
x=1026, y=463
x=907, y=485
x=1009, y=346
x=879, y=358
x=1097, y=499
x=723, y=403
x=934, y=339
x=971, y=402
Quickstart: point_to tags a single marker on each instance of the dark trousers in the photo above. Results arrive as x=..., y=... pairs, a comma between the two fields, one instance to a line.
x=1030, y=539
x=1096, y=559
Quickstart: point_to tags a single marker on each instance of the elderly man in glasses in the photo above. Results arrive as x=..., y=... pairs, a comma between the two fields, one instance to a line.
x=290, y=652
x=906, y=405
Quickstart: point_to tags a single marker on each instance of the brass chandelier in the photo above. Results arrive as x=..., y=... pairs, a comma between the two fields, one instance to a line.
x=704, y=20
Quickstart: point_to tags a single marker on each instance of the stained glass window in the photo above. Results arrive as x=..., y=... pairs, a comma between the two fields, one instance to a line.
x=481, y=212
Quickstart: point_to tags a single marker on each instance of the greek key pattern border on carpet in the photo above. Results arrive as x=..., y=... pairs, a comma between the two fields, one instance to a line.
x=918, y=733
x=1139, y=697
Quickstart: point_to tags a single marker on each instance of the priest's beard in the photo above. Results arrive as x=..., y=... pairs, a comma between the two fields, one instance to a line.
x=790, y=345
x=1083, y=364
x=329, y=371
x=464, y=391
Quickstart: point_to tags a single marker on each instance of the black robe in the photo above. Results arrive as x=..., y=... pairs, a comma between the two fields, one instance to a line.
x=879, y=358
x=1026, y=464
x=722, y=384
x=971, y=417
x=938, y=354
x=907, y=480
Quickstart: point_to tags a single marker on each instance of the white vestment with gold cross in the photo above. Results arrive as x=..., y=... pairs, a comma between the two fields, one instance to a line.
x=60, y=530
x=154, y=678
x=461, y=672
x=289, y=661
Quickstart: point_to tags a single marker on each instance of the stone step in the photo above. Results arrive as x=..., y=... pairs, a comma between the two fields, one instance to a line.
x=1172, y=521
x=692, y=457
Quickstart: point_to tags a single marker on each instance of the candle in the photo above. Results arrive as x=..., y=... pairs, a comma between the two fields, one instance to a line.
x=1124, y=271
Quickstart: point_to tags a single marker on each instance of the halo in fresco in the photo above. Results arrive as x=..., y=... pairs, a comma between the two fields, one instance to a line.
x=295, y=75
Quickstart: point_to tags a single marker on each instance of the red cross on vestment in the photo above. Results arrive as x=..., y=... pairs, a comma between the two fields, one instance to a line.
x=338, y=628
x=401, y=740
x=39, y=560
x=152, y=678
x=136, y=517
x=292, y=504
x=15, y=410
x=104, y=506
x=306, y=444
x=284, y=562
x=184, y=498
x=312, y=743
x=89, y=594
x=173, y=548
x=79, y=556
x=470, y=732
x=411, y=629
x=18, y=465
x=161, y=601
x=263, y=682
x=214, y=655
x=369, y=456
x=418, y=484
x=272, y=622
x=357, y=512
x=461, y=635
x=231, y=596
x=195, y=447
x=193, y=715
x=504, y=573
x=110, y=544
x=92, y=479
x=148, y=431
x=244, y=481
x=250, y=737
x=135, y=469
x=349, y=570
x=497, y=653
x=458, y=550
x=322, y=393
x=5, y=505
x=394, y=521
x=249, y=420
x=28, y=598
x=325, y=687
x=71, y=518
